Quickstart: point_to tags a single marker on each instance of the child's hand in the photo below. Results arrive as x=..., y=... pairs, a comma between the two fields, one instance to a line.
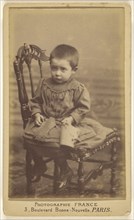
x=67, y=121
x=38, y=119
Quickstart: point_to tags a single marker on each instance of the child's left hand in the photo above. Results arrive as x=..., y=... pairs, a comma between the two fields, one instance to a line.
x=67, y=121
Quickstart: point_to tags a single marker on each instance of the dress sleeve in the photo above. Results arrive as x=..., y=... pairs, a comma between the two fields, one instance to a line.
x=35, y=104
x=82, y=104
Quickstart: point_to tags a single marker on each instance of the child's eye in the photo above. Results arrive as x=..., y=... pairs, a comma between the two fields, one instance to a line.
x=63, y=69
x=54, y=68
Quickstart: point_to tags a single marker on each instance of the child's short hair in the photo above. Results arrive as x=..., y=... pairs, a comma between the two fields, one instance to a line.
x=68, y=52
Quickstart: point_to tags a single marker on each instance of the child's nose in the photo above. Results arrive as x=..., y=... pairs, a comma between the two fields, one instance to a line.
x=58, y=72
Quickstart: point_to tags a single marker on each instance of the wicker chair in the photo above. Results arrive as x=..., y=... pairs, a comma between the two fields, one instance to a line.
x=25, y=55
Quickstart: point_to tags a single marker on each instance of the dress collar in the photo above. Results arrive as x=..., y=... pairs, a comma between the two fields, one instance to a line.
x=69, y=85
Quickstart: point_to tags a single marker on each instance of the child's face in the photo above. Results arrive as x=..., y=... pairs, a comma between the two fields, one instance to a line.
x=61, y=70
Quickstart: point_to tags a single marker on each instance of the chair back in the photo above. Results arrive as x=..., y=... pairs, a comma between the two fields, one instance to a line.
x=25, y=55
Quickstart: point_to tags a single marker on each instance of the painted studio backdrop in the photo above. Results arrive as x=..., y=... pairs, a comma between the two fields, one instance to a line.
x=98, y=34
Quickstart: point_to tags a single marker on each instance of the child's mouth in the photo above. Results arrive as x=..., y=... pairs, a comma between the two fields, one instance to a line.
x=59, y=80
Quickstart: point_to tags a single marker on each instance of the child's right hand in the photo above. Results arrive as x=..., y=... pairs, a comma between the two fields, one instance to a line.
x=38, y=119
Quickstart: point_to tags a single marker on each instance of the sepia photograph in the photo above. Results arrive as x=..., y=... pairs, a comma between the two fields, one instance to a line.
x=67, y=109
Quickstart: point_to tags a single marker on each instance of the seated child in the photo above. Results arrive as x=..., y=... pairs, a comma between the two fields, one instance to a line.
x=59, y=111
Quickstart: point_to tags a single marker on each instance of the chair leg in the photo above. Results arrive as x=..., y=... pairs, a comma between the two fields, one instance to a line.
x=81, y=183
x=56, y=177
x=113, y=169
x=30, y=190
